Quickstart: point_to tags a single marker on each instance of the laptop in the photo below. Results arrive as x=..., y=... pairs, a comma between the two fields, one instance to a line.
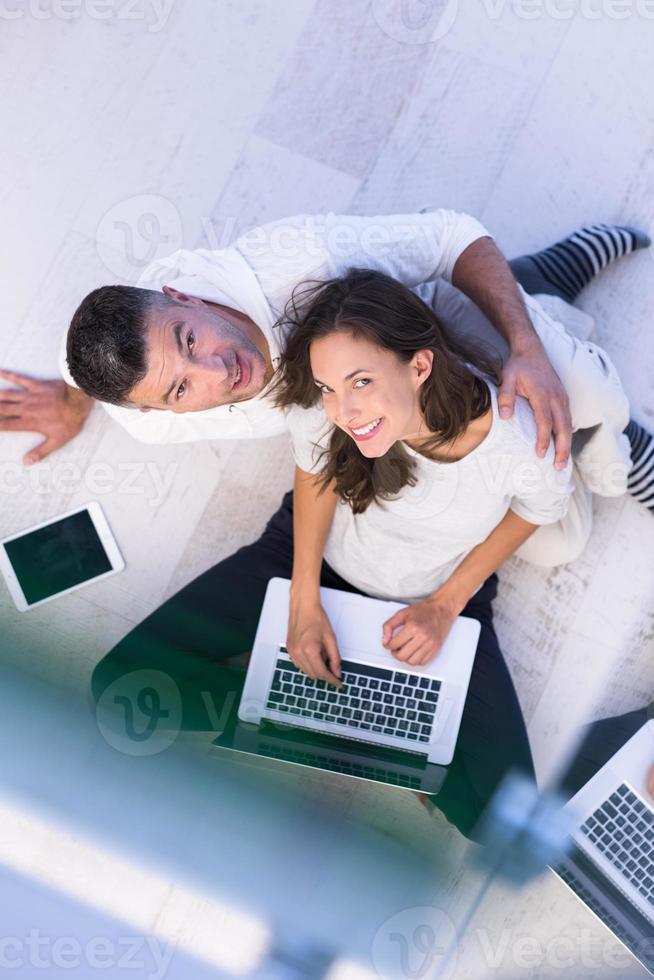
x=383, y=703
x=610, y=862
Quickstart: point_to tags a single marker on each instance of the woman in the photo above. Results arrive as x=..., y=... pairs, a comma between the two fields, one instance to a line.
x=412, y=489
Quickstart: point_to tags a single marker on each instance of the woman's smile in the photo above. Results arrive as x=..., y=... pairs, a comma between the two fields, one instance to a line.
x=367, y=431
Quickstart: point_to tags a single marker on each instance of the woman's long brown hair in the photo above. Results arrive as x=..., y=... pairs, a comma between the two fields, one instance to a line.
x=369, y=304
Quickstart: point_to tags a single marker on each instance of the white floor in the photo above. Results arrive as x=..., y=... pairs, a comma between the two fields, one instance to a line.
x=238, y=112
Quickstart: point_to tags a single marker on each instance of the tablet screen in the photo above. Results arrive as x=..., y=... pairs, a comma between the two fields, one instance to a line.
x=57, y=557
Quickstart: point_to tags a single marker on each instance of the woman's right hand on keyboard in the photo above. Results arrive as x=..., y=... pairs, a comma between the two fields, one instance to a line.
x=311, y=642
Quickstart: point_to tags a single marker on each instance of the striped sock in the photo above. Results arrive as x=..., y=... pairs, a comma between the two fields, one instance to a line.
x=640, y=482
x=566, y=268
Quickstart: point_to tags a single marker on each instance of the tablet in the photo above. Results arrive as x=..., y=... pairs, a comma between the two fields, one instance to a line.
x=59, y=556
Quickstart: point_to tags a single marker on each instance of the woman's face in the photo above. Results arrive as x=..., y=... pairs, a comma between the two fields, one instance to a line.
x=368, y=391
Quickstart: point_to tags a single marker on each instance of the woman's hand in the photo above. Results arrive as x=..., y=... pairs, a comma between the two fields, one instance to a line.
x=311, y=643
x=421, y=630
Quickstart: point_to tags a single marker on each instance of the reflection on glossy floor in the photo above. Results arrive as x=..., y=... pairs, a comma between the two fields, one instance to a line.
x=236, y=113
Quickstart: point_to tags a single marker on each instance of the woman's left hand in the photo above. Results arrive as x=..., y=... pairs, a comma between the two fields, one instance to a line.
x=421, y=630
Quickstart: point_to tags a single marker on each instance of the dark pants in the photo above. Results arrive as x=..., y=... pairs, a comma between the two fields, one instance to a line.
x=598, y=742
x=215, y=617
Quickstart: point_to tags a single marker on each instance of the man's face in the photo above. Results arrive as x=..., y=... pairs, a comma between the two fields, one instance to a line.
x=199, y=358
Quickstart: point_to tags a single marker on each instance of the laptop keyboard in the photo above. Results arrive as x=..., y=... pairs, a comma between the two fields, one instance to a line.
x=622, y=828
x=602, y=909
x=372, y=699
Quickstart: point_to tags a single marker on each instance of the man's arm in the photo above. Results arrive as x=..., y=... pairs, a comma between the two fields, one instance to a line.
x=483, y=274
x=52, y=408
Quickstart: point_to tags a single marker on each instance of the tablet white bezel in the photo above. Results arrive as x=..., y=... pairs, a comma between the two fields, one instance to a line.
x=104, y=533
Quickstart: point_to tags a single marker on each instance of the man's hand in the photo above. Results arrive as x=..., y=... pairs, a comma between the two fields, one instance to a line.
x=483, y=274
x=421, y=630
x=650, y=782
x=530, y=374
x=311, y=643
x=52, y=408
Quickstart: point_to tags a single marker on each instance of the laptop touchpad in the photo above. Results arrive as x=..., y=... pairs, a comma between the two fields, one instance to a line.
x=358, y=626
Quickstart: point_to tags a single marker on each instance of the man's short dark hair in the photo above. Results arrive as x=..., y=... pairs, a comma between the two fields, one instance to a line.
x=106, y=344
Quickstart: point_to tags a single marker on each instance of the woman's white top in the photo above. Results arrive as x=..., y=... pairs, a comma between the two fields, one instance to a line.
x=405, y=548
